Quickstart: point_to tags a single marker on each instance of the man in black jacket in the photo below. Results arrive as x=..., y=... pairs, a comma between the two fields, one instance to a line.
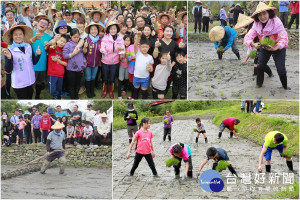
x=197, y=12
x=131, y=121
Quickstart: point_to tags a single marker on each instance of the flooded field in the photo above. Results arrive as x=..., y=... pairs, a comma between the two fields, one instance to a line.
x=76, y=183
x=210, y=78
x=242, y=153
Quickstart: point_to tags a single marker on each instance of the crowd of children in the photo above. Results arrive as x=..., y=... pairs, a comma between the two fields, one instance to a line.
x=72, y=51
x=27, y=128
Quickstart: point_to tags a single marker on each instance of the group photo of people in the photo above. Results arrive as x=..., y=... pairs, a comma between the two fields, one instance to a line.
x=94, y=50
x=87, y=123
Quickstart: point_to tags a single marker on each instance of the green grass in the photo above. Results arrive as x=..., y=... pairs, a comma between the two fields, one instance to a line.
x=172, y=161
x=286, y=194
x=222, y=165
x=255, y=127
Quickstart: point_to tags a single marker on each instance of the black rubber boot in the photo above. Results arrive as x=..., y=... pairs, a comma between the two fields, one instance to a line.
x=174, y=96
x=290, y=165
x=92, y=89
x=231, y=169
x=125, y=85
x=38, y=90
x=196, y=140
x=190, y=174
x=214, y=166
x=255, y=71
x=220, y=55
x=88, y=88
x=136, y=92
x=260, y=77
x=144, y=94
x=206, y=140
x=220, y=134
x=130, y=140
x=169, y=137
x=119, y=88
x=154, y=95
x=238, y=56
x=268, y=168
x=283, y=80
x=231, y=134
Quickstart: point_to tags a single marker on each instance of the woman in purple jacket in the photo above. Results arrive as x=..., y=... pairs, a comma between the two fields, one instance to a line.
x=91, y=49
x=19, y=60
x=76, y=63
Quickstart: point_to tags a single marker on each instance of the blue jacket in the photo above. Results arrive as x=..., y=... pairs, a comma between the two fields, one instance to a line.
x=284, y=6
x=230, y=34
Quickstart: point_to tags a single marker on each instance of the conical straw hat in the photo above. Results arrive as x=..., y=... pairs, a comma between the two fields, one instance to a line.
x=243, y=21
x=261, y=7
x=216, y=33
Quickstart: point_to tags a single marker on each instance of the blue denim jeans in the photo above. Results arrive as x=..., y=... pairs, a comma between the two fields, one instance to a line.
x=90, y=73
x=109, y=72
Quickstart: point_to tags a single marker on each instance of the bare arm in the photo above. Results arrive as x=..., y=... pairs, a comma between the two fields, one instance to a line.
x=261, y=156
x=202, y=165
x=130, y=147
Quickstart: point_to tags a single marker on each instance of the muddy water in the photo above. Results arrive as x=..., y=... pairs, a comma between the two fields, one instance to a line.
x=242, y=153
x=77, y=183
x=210, y=78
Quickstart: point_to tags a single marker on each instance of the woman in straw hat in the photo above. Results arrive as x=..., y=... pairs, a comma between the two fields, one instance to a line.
x=19, y=60
x=24, y=15
x=224, y=36
x=112, y=47
x=91, y=49
x=163, y=20
x=267, y=24
x=97, y=16
x=55, y=142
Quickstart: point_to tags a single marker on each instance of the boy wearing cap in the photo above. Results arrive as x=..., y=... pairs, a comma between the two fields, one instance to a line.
x=55, y=141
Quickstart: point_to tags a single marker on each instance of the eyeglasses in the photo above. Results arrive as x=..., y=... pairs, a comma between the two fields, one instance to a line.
x=63, y=27
x=67, y=15
x=44, y=23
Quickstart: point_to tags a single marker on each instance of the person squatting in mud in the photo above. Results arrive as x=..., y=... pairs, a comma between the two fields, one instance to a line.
x=274, y=140
x=224, y=37
x=268, y=25
x=229, y=123
x=182, y=151
x=55, y=148
x=217, y=154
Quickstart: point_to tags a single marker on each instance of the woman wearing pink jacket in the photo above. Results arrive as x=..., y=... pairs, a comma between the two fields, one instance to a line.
x=267, y=24
x=112, y=47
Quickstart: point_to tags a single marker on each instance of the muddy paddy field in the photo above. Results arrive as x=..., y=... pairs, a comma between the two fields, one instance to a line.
x=242, y=153
x=76, y=183
x=211, y=78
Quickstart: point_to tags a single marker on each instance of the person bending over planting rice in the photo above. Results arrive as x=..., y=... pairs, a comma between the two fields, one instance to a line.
x=200, y=129
x=229, y=123
x=219, y=157
x=182, y=151
x=279, y=141
x=224, y=37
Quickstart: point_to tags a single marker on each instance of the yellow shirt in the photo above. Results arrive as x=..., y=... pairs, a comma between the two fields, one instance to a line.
x=270, y=137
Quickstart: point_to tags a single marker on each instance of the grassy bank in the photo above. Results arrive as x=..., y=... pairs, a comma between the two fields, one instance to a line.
x=255, y=127
x=286, y=194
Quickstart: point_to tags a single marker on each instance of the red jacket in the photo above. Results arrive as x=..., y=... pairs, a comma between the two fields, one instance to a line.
x=294, y=7
x=229, y=122
x=45, y=123
x=55, y=68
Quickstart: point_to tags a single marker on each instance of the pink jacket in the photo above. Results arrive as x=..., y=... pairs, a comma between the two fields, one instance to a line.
x=109, y=49
x=294, y=7
x=274, y=29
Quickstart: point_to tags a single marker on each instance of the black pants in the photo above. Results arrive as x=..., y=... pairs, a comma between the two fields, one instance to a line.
x=263, y=59
x=37, y=135
x=88, y=141
x=70, y=140
x=137, y=159
x=197, y=22
x=8, y=83
x=177, y=167
x=28, y=136
x=74, y=83
x=223, y=22
x=3, y=92
x=249, y=106
x=293, y=17
x=24, y=93
x=205, y=24
x=98, y=139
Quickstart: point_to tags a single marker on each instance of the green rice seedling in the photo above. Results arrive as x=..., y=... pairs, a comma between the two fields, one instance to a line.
x=132, y=115
x=222, y=94
x=221, y=48
x=222, y=165
x=195, y=129
x=200, y=88
x=287, y=153
x=172, y=161
x=253, y=53
x=198, y=93
x=166, y=121
x=267, y=42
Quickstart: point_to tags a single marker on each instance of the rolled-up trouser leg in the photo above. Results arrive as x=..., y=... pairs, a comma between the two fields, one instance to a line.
x=62, y=162
x=45, y=166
